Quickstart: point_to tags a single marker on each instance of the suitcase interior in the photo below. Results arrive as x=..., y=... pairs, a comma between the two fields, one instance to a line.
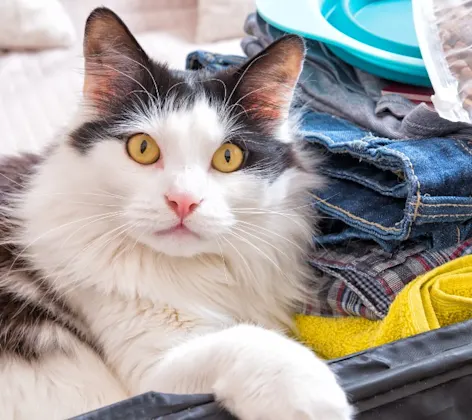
x=428, y=376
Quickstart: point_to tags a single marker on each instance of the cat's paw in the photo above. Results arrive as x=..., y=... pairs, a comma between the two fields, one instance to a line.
x=275, y=378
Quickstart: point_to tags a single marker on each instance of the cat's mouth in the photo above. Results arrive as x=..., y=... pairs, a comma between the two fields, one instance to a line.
x=177, y=230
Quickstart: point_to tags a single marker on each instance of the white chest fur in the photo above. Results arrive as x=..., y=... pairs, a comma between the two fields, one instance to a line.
x=134, y=334
x=142, y=304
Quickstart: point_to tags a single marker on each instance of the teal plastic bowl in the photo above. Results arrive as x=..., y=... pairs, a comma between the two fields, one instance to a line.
x=387, y=25
x=377, y=36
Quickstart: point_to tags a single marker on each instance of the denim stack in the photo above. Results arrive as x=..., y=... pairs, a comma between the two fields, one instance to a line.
x=399, y=197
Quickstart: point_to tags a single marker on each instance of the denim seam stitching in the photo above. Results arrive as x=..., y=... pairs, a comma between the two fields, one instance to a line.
x=458, y=235
x=464, y=147
x=419, y=214
x=445, y=205
x=432, y=216
x=418, y=193
x=356, y=217
x=383, y=228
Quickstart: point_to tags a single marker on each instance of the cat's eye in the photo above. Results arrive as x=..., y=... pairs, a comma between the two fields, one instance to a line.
x=143, y=149
x=228, y=158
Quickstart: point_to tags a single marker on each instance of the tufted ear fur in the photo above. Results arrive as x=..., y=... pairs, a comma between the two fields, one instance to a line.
x=115, y=63
x=266, y=83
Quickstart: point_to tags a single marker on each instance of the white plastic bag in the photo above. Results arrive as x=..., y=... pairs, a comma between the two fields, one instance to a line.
x=444, y=31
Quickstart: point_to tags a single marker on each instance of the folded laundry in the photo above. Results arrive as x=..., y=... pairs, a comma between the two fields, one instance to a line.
x=330, y=85
x=390, y=190
x=361, y=279
x=412, y=196
x=439, y=298
x=382, y=189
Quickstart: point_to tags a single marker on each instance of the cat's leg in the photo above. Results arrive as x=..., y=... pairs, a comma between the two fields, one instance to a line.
x=255, y=373
x=56, y=386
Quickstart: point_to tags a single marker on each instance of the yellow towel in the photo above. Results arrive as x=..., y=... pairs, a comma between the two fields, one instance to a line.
x=438, y=298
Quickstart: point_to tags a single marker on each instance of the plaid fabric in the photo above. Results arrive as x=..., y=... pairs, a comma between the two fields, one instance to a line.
x=362, y=279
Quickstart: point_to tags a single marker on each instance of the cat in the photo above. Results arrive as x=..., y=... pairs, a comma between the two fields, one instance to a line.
x=160, y=244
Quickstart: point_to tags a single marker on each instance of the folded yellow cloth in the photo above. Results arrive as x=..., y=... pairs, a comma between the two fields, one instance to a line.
x=438, y=298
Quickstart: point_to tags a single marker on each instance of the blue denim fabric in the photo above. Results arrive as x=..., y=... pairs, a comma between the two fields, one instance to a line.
x=393, y=190
x=212, y=62
x=382, y=189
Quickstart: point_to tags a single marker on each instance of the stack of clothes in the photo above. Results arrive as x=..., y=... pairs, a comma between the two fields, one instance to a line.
x=399, y=201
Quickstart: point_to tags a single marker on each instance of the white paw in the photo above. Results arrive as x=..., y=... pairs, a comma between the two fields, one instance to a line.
x=275, y=378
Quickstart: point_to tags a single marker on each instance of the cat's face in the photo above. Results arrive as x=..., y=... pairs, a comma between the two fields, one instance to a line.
x=196, y=160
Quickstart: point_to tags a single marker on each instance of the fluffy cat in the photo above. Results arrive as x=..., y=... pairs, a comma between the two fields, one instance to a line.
x=160, y=244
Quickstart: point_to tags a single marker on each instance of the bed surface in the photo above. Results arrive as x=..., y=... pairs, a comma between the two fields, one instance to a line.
x=39, y=90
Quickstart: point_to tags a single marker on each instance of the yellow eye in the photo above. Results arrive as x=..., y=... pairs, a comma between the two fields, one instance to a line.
x=228, y=158
x=143, y=149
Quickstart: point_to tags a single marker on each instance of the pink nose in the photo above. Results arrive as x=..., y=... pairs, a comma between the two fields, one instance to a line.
x=182, y=204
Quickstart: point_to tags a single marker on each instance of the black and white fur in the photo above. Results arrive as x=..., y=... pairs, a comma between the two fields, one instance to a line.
x=95, y=307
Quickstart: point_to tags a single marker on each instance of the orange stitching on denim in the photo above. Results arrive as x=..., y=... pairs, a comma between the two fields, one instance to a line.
x=418, y=193
x=464, y=147
x=418, y=200
x=433, y=216
x=445, y=205
x=355, y=217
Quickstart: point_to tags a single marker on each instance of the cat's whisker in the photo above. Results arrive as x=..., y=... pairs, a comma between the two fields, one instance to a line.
x=232, y=119
x=243, y=259
x=143, y=105
x=54, y=229
x=270, y=233
x=288, y=216
x=104, y=237
x=158, y=98
x=11, y=180
x=242, y=77
x=129, y=77
x=258, y=238
x=223, y=259
x=94, y=204
x=110, y=193
x=173, y=87
x=106, y=217
x=123, y=248
x=239, y=237
x=281, y=208
x=136, y=242
x=248, y=94
x=101, y=245
x=85, y=248
x=270, y=86
x=214, y=79
x=266, y=212
x=50, y=194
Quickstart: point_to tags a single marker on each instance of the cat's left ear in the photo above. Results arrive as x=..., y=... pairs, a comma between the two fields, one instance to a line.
x=265, y=85
x=115, y=64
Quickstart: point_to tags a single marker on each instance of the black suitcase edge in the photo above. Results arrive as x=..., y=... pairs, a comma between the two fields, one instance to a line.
x=373, y=378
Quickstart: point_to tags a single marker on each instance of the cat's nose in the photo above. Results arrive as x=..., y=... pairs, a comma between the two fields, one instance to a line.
x=182, y=204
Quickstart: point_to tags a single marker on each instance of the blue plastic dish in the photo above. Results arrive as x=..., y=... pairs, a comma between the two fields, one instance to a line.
x=385, y=24
x=376, y=36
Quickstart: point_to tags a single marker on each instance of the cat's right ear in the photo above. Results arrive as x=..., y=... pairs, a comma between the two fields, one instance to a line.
x=115, y=63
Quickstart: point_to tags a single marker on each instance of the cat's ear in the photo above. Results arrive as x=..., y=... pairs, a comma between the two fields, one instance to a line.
x=114, y=61
x=266, y=83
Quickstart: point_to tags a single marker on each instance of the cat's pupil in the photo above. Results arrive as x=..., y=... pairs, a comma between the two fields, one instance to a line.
x=143, y=146
x=227, y=155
